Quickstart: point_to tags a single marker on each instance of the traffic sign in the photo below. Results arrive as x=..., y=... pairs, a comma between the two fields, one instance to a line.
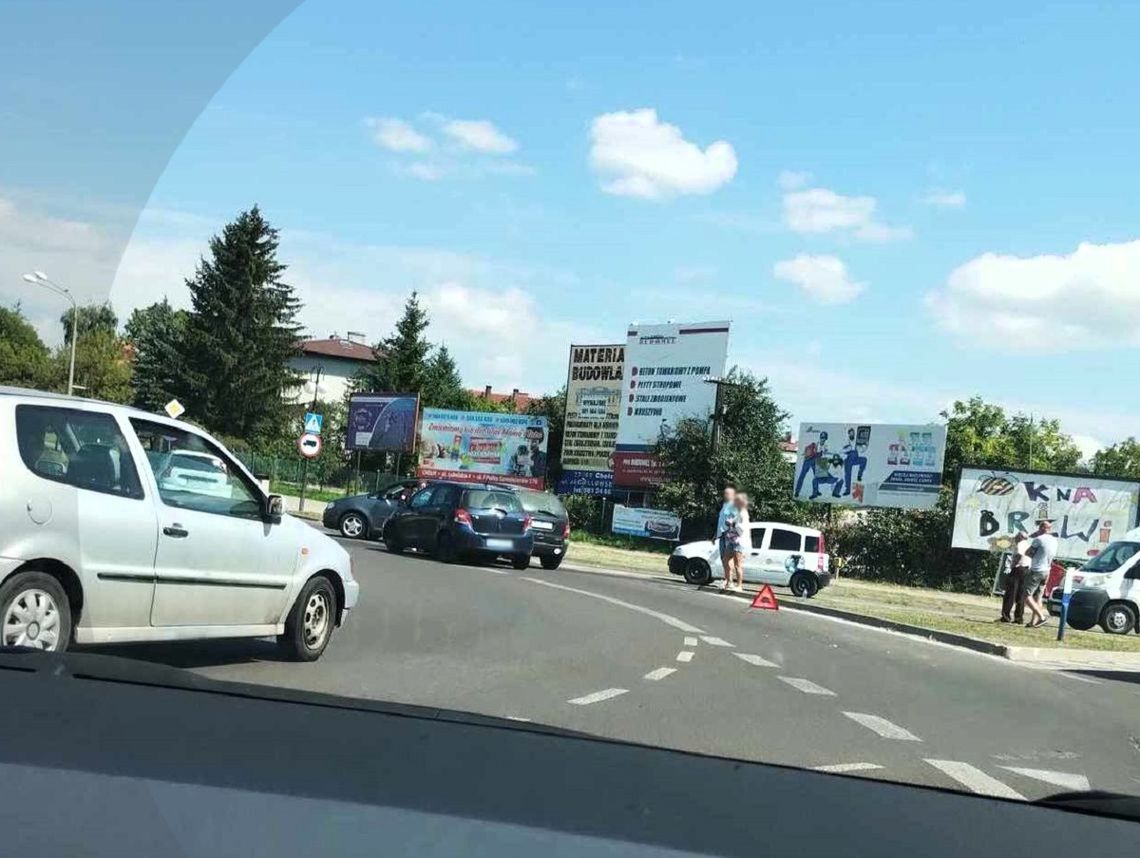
x=766, y=599
x=175, y=409
x=309, y=445
x=313, y=423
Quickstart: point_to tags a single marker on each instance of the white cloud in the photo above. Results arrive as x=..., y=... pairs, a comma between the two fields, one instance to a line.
x=424, y=170
x=1085, y=299
x=823, y=278
x=479, y=135
x=820, y=210
x=640, y=156
x=941, y=198
x=790, y=180
x=397, y=135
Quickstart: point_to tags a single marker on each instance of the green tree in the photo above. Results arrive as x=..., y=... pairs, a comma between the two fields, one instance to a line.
x=102, y=367
x=91, y=318
x=442, y=384
x=1119, y=460
x=155, y=335
x=552, y=406
x=24, y=360
x=240, y=334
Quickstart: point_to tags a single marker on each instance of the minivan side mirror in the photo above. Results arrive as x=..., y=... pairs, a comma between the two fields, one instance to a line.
x=274, y=507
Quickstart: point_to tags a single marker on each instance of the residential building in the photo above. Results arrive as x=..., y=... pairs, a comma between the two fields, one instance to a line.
x=520, y=398
x=338, y=358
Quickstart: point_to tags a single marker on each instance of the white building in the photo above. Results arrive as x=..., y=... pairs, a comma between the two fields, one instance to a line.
x=338, y=359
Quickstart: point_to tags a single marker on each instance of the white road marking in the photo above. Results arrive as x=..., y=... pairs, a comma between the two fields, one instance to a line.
x=711, y=641
x=685, y=655
x=660, y=673
x=1076, y=783
x=806, y=685
x=598, y=696
x=690, y=641
x=669, y=620
x=974, y=779
x=1079, y=678
x=756, y=660
x=840, y=768
x=882, y=726
x=517, y=718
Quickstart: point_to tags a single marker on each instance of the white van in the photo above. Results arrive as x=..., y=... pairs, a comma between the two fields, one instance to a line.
x=785, y=555
x=103, y=540
x=1106, y=590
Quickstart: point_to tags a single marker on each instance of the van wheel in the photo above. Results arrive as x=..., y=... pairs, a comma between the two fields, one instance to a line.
x=697, y=572
x=804, y=585
x=551, y=561
x=34, y=613
x=309, y=626
x=1118, y=619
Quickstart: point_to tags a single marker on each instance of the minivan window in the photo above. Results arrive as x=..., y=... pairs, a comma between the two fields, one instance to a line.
x=84, y=449
x=811, y=544
x=483, y=499
x=542, y=502
x=1115, y=555
x=784, y=540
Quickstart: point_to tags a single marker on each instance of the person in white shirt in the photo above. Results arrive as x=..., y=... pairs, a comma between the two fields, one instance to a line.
x=741, y=540
x=724, y=521
x=1041, y=552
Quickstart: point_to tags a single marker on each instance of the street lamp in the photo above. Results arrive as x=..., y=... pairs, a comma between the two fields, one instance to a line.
x=41, y=279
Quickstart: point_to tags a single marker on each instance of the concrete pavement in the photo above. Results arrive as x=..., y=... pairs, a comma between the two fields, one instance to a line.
x=655, y=661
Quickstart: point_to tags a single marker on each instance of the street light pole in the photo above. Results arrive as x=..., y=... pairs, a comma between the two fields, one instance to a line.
x=41, y=279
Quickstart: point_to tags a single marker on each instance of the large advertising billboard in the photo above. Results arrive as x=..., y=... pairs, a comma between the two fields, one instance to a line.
x=477, y=446
x=650, y=523
x=662, y=382
x=994, y=507
x=383, y=422
x=870, y=464
x=593, y=403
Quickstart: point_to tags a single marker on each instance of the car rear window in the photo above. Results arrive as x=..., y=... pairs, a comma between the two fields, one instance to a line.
x=811, y=544
x=542, y=502
x=784, y=540
x=483, y=499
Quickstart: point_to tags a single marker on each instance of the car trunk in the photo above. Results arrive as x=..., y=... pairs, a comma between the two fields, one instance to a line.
x=495, y=513
x=547, y=527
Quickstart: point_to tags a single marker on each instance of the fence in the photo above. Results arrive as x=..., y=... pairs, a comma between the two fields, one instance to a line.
x=322, y=475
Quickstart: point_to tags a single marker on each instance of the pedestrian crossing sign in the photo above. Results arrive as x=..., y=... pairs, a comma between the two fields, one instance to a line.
x=313, y=423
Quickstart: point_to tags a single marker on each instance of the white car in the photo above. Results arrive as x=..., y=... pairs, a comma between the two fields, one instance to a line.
x=186, y=470
x=99, y=544
x=782, y=554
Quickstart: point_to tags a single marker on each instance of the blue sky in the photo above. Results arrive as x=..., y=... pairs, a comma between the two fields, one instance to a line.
x=887, y=199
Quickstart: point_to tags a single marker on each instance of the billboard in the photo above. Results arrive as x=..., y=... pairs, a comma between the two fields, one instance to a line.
x=384, y=422
x=663, y=381
x=593, y=402
x=993, y=507
x=870, y=464
x=477, y=446
x=651, y=523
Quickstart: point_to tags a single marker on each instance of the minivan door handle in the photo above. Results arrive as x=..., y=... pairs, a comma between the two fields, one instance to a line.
x=176, y=531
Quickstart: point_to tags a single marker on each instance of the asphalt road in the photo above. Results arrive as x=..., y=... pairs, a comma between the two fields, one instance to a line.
x=662, y=663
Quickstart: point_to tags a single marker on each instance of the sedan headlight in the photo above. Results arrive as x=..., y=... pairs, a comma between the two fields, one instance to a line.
x=329, y=506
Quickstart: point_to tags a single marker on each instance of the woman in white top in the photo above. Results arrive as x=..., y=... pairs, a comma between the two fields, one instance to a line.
x=741, y=543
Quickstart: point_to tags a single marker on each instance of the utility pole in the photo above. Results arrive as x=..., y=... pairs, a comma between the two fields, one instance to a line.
x=41, y=279
x=305, y=463
x=718, y=411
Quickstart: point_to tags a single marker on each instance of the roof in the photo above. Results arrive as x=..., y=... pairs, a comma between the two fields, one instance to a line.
x=340, y=348
x=521, y=398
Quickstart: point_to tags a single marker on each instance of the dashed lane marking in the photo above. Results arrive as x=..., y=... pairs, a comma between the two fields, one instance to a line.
x=668, y=619
x=974, y=779
x=882, y=726
x=756, y=660
x=1066, y=780
x=685, y=655
x=713, y=641
x=598, y=696
x=517, y=718
x=806, y=686
x=660, y=673
x=840, y=768
x=690, y=641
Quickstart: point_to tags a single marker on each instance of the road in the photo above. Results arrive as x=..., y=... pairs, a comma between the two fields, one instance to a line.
x=662, y=663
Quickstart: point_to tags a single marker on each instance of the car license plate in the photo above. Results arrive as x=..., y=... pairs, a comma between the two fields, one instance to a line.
x=500, y=544
x=542, y=525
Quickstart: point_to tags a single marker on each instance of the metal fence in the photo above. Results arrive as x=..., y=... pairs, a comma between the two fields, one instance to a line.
x=322, y=475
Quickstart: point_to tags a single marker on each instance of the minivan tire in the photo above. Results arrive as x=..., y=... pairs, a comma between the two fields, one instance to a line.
x=803, y=585
x=697, y=572
x=551, y=561
x=23, y=585
x=309, y=626
x=1118, y=618
x=353, y=526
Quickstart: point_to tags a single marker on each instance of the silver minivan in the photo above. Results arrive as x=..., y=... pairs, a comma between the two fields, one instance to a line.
x=118, y=525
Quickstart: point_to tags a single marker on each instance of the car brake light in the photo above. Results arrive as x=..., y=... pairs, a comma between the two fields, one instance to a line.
x=527, y=522
x=822, y=553
x=463, y=517
x=566, y=530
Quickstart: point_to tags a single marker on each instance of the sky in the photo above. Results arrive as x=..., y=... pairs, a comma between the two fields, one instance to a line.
x=896, y=204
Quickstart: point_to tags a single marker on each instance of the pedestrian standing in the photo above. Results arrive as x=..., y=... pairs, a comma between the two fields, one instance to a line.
x=1013, y=599
x=1041, y=552
x=724, y=521
x=741, y=541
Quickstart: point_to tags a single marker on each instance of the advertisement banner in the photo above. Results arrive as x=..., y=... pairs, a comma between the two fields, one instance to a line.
x=382, y=422
x=870, y=464
x=585, y=483
x=994, y=507
x=477, y=446
x=663, y=381
x=593, y=402
x=650, y=523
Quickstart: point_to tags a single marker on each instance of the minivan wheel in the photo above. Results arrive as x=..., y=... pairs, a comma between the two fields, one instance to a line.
x=551, y=561
x=352, y=525
x=697, y=572
x=309, y=626
x=34, y=612
x=1118, y=619
x=804, y=585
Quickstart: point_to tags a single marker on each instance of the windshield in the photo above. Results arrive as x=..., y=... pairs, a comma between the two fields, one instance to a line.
x=722, y=377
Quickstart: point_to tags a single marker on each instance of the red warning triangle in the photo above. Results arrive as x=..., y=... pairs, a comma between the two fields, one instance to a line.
x=766, y=599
